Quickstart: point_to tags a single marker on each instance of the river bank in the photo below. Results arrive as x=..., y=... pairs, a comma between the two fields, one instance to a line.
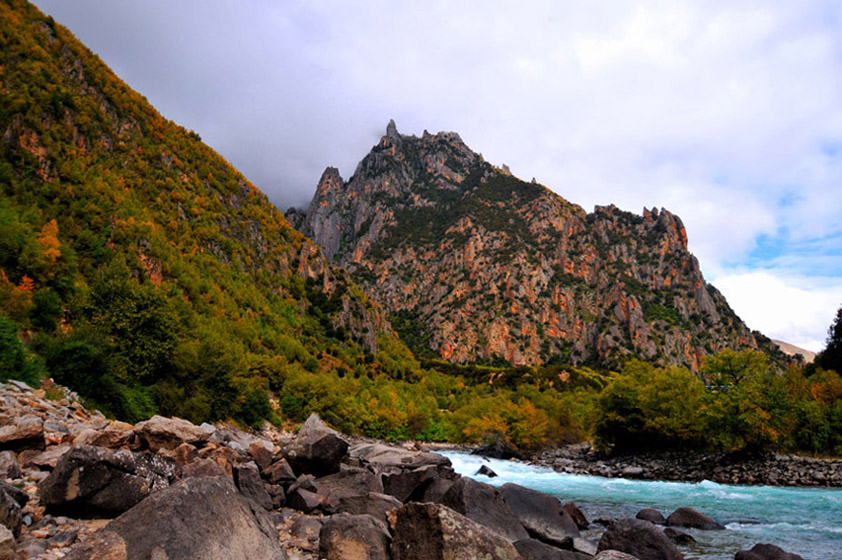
x=769, y=469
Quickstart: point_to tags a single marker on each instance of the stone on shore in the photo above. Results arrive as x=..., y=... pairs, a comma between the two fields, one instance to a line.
x=533, y=549
x=639, y=538
x=247, y=478
x=485, y=470
x=388, y=456
x=540, y=514
x=689, y=517
x=8, y=548
x=9, y=467
x=316, y=449
x=168, y=433
x=25, y=432
x=652, y=516
x=98, y=481
x=203, y=517
x=373, y=503
x=485, y=505
x=576, y=514
x=115, y=435
x=766, y=552
x=425, y=531
x=354, y=537
x=614, y=555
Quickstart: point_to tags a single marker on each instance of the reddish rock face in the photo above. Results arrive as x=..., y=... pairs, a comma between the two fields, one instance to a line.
x=484, y=266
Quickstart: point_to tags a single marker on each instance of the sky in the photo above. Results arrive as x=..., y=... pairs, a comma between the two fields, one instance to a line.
x=727, y=113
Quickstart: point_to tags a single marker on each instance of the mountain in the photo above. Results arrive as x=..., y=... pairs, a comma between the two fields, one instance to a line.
x=793, y=350
x=140, y=267
x=476, y=265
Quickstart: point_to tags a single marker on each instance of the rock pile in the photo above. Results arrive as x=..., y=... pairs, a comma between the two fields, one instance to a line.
x=78, y=486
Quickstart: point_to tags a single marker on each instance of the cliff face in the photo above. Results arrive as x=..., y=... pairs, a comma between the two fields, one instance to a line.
x=477, y=265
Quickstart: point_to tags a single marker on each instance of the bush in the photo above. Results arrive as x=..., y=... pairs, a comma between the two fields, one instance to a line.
x=16, y=362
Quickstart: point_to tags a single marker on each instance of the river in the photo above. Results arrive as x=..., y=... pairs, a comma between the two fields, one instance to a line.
x=806, y=521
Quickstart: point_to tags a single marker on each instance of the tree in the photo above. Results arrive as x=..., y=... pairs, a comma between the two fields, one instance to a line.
x=831, y=356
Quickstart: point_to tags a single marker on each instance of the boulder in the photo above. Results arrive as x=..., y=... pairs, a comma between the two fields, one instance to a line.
x=651, y=515
x=374, y=504
x=541, y=514
x=25, y=432
x=639, y=538
x=47, y=459
x=306, y=530
x=204, y=517
x=262, y=451
x=279, y=472
x=202, y=467
x=766, y=552
x=91, y=481
x=9, y=467
x=316, y=449
x=614, y=555
x=114, y=435
x=10, y=513
x=349, y=482
x=434, y=489
x=485, y=505
x=425, y=531
x=388, y=456
x=303, y=500
x=532, y=549
x=678, y=537
x=102, y=545
x=485, y=470
x=576, y=515
x=584, y=546
x=168, y=433
x=353, y=537
x=247, y=478
x=8, y=548
x=408, y=485
x=689, y=517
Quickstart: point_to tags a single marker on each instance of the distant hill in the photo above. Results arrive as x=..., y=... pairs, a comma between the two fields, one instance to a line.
x=144, y=270
x=792, y=350
x=476, y=265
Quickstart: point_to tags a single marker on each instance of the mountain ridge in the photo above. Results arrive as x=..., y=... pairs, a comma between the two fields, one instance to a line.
x=434, y=232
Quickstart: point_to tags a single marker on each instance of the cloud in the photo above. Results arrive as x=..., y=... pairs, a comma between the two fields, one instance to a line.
x=794, y=309
x=726, y=113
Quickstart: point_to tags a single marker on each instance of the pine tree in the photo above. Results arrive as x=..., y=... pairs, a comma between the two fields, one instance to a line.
x=831, y=356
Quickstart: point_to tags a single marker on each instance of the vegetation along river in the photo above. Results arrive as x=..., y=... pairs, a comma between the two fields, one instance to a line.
x=806, y=521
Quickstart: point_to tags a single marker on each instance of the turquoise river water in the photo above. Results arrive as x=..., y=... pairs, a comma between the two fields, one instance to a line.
x=806, y=521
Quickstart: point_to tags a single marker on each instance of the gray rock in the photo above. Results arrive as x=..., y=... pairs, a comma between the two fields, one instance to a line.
x=203, y=517
x=354, y=537
x=689, y=517
x=168, y=433
x=348, y=482
x=247, y=478
x=388, y=456
x=26, y=432
x=316, y=449
x=533, y=549
x=766, y=552
x=652, y=516
x=639, y=538
x=485, y=505
x=374, y=504
x=541, y=514
x=279, y=472
x=8, y=548
x=11, y=516
x=9, y=467
x=485, y=470
x=426, y=531
x=678, y=537
x=614, y=555
x=576, y=515
x=91, y=481
x=408, y=484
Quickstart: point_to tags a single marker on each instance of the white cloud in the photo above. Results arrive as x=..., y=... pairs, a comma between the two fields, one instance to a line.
x=794, y=309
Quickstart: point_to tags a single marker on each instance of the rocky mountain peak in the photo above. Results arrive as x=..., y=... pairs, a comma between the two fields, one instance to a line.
x=477, y=265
